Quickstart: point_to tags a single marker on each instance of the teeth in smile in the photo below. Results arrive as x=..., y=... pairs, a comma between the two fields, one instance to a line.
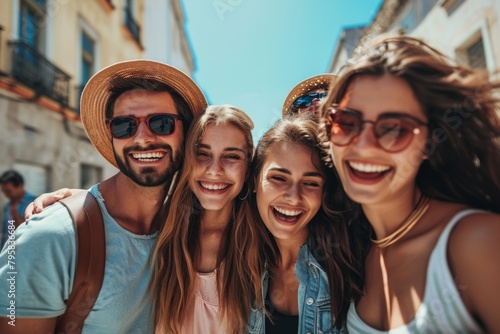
x=150, y=156
x=368, y=168
x=214, y=186
x=287, y=212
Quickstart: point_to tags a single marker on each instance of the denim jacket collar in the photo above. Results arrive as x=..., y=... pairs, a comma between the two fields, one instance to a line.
x=307, y=264
x=313, y=298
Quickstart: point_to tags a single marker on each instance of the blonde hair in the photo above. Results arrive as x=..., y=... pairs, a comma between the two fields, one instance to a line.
x=174, y=275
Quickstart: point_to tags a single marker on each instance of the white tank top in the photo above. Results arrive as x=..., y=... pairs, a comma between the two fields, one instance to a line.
x=442, y=310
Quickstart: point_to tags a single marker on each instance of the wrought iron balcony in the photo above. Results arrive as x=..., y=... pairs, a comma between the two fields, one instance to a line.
x=35, y=71
x=132, y=25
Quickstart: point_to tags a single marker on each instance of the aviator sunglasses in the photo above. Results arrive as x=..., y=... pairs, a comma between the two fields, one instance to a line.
x=122, y=127
x=306, y=100
x=393, y=131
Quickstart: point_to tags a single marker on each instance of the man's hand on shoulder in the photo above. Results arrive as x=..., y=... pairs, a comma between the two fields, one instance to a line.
x=46, y=199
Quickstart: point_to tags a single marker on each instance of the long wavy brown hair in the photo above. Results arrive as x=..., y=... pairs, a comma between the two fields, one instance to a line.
x=174, y=276
x=334, y=240
x=463, y=147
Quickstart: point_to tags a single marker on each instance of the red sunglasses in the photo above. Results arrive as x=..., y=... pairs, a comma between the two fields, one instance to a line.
x=393, y=131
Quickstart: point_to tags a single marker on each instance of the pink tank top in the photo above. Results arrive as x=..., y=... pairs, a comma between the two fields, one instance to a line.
x=205, y=317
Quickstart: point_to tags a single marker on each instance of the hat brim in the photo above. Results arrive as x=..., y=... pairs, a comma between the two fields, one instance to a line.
x=96, y=93
x=305, y=86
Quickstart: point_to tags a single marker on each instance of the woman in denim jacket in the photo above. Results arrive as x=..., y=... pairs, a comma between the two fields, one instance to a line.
x=307, y=250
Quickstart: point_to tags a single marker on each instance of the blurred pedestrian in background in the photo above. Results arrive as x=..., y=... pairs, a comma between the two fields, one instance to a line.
x=13, y=188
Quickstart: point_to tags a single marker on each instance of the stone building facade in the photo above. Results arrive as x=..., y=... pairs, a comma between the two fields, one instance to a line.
x=466, y=30
x=48, y=51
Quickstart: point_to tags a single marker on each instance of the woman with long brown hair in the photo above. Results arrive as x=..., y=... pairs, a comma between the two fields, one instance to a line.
x=203, y=280
x=415, y=140
x=311, y=250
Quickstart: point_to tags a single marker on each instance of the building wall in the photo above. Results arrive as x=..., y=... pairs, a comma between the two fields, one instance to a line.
x=450, y=32
x=341, y=58
x=44, y=137
x=113, y=41
x=156, y=30
x=348, y=41
x=33, y=135
x=5, y=33
x=42, y=133
x=181, y=52
x=165, y=38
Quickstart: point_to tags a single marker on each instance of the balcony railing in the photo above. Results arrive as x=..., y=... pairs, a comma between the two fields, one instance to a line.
x=35, y=71
x=132, y=25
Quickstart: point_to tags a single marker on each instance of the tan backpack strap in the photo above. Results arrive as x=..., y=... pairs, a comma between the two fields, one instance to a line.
x=91, y=257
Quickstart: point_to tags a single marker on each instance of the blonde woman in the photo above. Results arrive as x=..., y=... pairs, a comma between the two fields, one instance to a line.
x=202, y=280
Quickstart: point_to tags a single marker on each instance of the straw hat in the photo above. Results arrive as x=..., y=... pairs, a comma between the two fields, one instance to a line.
x=97, y=90
x=306, y=86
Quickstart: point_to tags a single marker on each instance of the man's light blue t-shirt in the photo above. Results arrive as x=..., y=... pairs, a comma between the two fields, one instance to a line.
x=21, y=207
x=45, y=260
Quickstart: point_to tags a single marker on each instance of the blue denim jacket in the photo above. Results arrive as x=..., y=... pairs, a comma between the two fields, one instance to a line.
x=314, y=298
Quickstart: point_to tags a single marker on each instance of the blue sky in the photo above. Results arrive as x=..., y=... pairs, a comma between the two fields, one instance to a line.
x=251, y=53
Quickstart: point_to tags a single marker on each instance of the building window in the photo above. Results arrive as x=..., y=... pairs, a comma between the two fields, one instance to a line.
x=475, y=55
x=130, y=21
x=28, y=62
x=88, y=46
x=89, y=175
x=87, y=63
x=32, y=21
x=472, y=53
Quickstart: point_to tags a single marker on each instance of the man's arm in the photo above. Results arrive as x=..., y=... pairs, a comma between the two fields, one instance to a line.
x=27, y=325
x=36, y=272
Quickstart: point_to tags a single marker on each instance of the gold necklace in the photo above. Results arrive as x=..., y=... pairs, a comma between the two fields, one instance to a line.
x=417, y=213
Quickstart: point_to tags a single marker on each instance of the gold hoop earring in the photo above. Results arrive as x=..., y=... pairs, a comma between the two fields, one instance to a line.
x=248, y=192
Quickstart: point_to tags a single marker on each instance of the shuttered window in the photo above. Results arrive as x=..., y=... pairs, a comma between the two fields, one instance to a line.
x=475, y=55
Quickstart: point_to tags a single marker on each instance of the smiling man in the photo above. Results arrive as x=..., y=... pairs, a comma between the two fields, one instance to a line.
x=136, y=114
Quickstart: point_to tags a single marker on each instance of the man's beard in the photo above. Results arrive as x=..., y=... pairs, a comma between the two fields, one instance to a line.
x=148, y=176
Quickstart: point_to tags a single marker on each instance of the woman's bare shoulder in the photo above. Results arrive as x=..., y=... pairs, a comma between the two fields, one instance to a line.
x=474, y=259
